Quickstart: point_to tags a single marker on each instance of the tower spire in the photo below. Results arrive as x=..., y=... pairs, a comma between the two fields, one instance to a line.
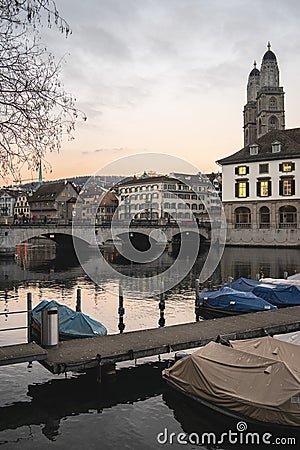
x=40, y=174
x=269, y=45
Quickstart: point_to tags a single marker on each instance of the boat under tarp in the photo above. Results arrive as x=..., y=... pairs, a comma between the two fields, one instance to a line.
x=269, y=347
x=278, y=294
x=244, y=284
x=230, y=301
x=239, y=383
x=284, y=281
x=71, y=324
x=292, y=338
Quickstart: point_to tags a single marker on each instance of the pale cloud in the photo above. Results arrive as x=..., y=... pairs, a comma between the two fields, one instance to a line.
x=170, y=75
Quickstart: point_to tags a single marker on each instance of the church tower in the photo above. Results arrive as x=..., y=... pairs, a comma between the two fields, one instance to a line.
x=264, y=110
x=250, y=109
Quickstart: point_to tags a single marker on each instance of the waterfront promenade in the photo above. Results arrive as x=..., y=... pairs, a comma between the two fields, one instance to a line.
x=82, y=354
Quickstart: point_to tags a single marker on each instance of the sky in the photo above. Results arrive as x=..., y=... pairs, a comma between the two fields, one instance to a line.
x=167, y=76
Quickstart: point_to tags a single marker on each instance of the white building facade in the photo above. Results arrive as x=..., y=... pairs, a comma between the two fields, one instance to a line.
x=178, y=197
x=261, y=182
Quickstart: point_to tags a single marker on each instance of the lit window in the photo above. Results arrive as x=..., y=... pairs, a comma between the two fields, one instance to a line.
x=242, y=189
x=264, y=188
x=287, y=187
x=287, y=167
x=242, y=170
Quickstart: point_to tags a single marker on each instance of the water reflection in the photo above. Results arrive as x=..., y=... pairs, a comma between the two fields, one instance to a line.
x=196, y=418
x=38, y=262
x=59, y=398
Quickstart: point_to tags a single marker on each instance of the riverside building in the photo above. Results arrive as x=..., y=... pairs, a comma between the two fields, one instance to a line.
x=261, y=185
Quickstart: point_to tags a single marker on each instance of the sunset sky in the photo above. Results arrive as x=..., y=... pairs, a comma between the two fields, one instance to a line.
x=168, y=76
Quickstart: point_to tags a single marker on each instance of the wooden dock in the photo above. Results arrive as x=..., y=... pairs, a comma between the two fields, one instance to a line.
x=81, y=354
x=18, y=353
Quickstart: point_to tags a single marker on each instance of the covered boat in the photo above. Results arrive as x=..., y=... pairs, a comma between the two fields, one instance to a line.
x=72, y=324
x=278, y=294
x=239, y=383
x=244, y=284
x=230, y=301
x=269, y=347
x=292, y=338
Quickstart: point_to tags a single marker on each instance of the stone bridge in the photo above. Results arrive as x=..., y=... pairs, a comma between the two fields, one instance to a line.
x=12, y=235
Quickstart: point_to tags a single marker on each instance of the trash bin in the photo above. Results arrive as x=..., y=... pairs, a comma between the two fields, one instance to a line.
x=49, y=331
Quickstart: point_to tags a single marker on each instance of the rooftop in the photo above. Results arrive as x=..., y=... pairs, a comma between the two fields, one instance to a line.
x=290, y=148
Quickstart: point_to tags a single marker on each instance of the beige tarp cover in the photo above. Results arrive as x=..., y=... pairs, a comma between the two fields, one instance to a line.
x=260, y=388
x=274, y=349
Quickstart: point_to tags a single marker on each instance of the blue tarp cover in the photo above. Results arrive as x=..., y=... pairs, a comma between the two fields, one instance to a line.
x=277, y=294
x=228, y=299
x=72, y=324
x=244, y=284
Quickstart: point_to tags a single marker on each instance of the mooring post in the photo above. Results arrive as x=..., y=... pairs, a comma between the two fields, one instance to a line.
x=285, y=275
x=121, y=310
x=78, y=299
x=162, y=306
x=257, y=277
x=197, y=299
x=29, y=315
x=229, y=281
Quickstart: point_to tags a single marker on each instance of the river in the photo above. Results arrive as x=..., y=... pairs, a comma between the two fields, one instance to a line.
x=39, y=410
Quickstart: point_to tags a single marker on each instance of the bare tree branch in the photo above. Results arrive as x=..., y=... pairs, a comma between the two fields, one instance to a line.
x=35, y=111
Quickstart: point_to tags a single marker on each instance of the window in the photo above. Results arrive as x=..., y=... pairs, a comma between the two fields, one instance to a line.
x=273, y=103
x=242, y=170
x=287, y=167
x=253, y=150
x=287, y=187
x=263, y=188
x=242, y=189
x=264, y=168
x=276, y=147
x=242, y=217
x=273, y=123
x=264, y=217
x=287, y=217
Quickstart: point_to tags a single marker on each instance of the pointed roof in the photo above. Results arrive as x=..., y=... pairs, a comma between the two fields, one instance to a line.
x=269, y=55
x=48, y=191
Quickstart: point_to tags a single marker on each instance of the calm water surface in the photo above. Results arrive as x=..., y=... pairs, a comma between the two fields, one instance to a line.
x=39, y=410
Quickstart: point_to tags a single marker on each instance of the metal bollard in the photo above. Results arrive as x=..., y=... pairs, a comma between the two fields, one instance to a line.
x=49, y=330
x=285, y=275
x=197, y=300
x=78, y=300
x=162, y=305
x=121, y=310
x=29, y=316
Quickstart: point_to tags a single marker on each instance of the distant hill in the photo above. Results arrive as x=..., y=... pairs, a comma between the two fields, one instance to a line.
x=104, y=181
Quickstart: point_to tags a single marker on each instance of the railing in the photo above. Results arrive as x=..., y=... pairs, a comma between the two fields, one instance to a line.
x=243, y=225
x=27, y=311
x=288, y=225
x=264, y=225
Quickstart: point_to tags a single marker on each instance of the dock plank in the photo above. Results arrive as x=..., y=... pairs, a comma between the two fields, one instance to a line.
x=18, y=353
x=80, y=354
